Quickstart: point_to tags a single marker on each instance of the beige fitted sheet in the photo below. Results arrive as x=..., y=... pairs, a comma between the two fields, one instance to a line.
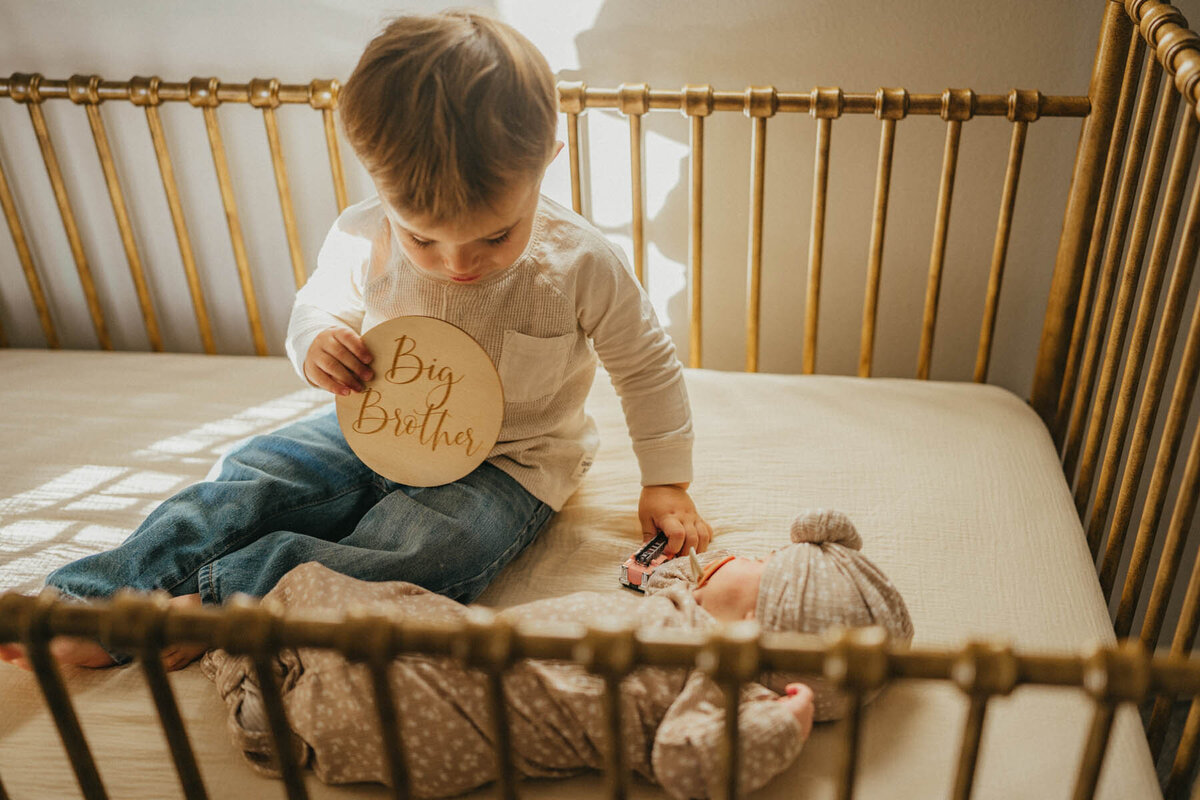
x=955, y=488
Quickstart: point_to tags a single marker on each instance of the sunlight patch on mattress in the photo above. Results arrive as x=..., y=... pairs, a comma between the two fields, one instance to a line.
x=74, y=483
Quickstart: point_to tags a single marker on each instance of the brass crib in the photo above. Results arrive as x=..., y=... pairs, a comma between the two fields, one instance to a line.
x=1090, y=338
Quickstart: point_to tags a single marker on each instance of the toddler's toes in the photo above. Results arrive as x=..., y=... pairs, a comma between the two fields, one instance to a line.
x=180, y=655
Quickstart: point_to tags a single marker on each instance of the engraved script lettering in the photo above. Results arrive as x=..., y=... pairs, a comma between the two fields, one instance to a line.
x=432, y=424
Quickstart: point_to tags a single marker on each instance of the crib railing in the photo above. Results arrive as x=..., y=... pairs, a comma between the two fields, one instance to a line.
x=858, y=661
x=33, y=90
x=1147, y=70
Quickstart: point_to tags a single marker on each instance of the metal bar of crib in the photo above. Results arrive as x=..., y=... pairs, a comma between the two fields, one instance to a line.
x=21, y=242
x=322, y=95
x=1172, y=314
x=203, y=94
x=826, y=107
x=890, y=105
x=1008, y=201
x=760, y=104
x=31, y=621
x=1189, y=616
x=370, y=639
x=84, y=90
x=698, y=104
x=1130, y=174
x=1185, y=757
x=1100, y=226
x=859, y=661
x=1122, y=311
x=1081, y=208
x=27, y=89
x=957, y=106
x=571, y=98
x=610, y=653
x=1168, y=450
x=264, y=94
x=143, y=635
x=984, y=670
x=145, y=92
x=633, y=99
x=90, y=91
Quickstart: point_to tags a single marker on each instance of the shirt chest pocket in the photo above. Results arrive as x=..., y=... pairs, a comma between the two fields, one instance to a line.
x=532, y=367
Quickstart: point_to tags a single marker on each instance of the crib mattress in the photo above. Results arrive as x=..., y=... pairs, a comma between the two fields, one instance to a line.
x=955, y=488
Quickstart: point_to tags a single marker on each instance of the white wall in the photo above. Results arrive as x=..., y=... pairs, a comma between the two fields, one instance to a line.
x=926, y=47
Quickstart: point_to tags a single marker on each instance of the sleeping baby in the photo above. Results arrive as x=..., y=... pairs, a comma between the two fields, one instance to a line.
x=672, y=718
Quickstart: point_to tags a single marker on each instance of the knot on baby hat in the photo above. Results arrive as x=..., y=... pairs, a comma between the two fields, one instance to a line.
x=822, y=580
x=825, y=525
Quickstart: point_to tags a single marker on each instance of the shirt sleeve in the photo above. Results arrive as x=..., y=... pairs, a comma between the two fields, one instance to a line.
x=686, y=754
x=333, y=295
x=640, y=359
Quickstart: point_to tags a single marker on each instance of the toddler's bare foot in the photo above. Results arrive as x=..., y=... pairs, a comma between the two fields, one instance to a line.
x=65, y=650
x=88, y=653
x=178, y=656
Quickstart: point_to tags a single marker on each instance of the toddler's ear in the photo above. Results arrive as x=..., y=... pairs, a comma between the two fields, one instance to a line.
x=558, y=146
x=749, y=614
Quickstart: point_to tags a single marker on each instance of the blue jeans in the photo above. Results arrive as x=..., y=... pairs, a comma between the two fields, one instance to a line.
x=300, y=494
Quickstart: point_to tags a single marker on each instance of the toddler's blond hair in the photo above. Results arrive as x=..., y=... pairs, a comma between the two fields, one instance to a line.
x=446, y=111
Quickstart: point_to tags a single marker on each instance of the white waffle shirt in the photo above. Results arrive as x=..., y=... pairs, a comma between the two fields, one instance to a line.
x=543, y=320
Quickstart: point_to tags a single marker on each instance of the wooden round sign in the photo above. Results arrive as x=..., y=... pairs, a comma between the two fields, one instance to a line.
x=432, y=411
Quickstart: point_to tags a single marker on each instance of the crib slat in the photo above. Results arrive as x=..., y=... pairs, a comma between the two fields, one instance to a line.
x=1130, y=174
x=26, y=258
x=265, y=94
x=571, y=99
x=1181, y=277
x=40, y=129
x=171, y=188
x=84, y=91
x=938, y=256
x=1189, y=616
x=698, y=103
x=1185, y=757
x=1168, y=450
x=37, y=637
x=203, y=93
x=322, y=95
x=1093, y=751
x=1122, y=311
x=826, y=106
x=731, y=741
x=142, y=620
x=390, y=730
x=1100, y=227
x=968, y=756
x=1086, y=177
x=760, y=104
x=883, y=180
x=851, y=739
x=634, y=101
x=1008, y=200
x=335, y=161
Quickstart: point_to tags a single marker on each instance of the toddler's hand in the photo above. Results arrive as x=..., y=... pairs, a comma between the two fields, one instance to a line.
x=337, y=361
x=669, y=508
x=799, y=701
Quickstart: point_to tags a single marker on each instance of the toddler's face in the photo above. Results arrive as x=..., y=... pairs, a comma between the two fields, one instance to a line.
x=467, y=251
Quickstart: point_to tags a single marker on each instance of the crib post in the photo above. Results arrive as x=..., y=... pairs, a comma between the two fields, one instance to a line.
x=1081, y=208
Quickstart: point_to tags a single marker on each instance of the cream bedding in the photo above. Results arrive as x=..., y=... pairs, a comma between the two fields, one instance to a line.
x=955, y=488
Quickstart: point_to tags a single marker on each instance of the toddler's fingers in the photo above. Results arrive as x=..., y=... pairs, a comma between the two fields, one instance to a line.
x=332, y=376
x=348, y=359
x=676, y=535
x=354, y=343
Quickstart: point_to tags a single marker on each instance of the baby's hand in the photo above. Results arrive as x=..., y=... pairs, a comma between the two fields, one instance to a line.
x=337, y=361
x=669, y=508
x=799, y=701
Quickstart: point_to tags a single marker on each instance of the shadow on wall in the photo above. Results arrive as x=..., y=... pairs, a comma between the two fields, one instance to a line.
x=995, y=47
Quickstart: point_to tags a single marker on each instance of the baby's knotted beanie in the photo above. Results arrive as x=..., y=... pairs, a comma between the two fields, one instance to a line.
x=822, y=580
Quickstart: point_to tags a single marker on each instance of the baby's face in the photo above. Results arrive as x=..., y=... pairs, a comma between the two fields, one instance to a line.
x=731, y=593
x=470, y=250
